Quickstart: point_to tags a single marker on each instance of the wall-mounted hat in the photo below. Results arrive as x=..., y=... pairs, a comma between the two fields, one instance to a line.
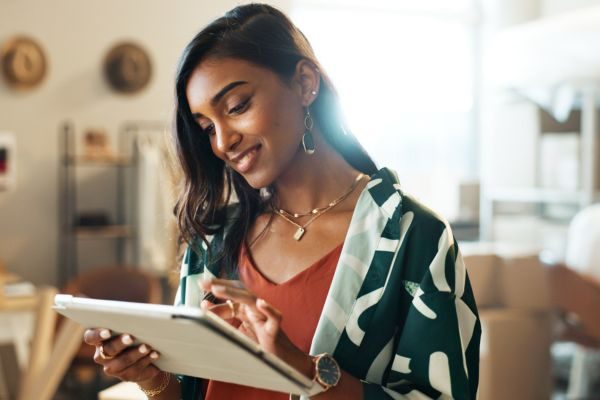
x=127, y=68
x=23, y=62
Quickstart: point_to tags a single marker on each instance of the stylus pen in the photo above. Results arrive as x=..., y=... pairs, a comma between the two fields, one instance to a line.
x=211, y=297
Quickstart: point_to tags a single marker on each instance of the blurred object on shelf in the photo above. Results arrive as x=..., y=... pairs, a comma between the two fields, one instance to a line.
x=7, y=160
x=127, y=68
x=468, y=201
x=92, y=219
x=23, y=63
x=559, y=161
x=96, y=146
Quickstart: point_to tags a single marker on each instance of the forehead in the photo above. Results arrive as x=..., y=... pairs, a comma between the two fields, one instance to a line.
x=211, y=75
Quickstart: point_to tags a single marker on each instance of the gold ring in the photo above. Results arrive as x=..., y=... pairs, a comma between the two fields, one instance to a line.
x=104, y=355
x=231, y=307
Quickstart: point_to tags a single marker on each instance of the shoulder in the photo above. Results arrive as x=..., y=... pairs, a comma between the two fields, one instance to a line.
x=401, y=207
x=427, y=250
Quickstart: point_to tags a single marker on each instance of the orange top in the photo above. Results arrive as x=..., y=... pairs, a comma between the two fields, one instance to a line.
x=304, y=294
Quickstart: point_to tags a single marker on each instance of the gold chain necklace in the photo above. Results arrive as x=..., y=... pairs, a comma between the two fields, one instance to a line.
x=315, y=212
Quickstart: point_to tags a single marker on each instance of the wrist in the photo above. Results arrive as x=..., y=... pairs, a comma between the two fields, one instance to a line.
x=295, y=357
x=155, y=385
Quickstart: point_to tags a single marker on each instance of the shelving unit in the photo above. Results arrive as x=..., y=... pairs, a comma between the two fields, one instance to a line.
x=551, y=63
x=122, y=228
x=539, y=197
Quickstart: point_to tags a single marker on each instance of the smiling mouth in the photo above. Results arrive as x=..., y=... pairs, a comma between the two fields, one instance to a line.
x=246, y=160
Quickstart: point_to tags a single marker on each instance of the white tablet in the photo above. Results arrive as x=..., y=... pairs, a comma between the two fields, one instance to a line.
x=191, y=342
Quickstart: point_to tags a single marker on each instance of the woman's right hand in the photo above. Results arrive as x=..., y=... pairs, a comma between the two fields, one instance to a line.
x=120, y=358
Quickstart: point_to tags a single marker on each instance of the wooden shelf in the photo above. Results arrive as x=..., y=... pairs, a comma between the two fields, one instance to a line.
x=98, y=232
x=537, y=195
x=116, y=161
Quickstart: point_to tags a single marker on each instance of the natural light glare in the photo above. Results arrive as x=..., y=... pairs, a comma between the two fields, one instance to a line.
x=406, y=84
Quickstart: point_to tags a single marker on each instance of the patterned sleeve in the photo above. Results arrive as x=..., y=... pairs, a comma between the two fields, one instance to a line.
x=437, y=349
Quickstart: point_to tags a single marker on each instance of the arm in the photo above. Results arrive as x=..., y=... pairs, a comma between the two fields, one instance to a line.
x=437, y=351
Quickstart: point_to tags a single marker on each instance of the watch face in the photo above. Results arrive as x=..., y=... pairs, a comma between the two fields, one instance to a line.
x=329, y=371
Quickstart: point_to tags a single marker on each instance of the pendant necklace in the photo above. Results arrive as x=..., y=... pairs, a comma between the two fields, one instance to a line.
x=315, y=212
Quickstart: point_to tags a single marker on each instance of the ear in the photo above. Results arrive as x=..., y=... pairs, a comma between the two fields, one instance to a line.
x=307, y=79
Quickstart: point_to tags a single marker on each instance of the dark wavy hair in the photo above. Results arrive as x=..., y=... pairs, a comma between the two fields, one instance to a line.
x=262, y=35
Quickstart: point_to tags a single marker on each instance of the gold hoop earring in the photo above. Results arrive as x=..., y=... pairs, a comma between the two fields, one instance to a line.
x=307, y=139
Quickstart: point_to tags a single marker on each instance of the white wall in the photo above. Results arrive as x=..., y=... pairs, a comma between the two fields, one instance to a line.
x=552, y=7
x=76, y=35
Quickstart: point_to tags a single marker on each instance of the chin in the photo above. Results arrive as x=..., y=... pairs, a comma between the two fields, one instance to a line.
x=258, y=180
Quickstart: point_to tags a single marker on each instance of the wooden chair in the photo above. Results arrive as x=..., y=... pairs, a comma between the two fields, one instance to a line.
x=122, y=283
x=49, y=359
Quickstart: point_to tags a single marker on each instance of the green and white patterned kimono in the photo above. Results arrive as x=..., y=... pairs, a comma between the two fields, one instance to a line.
x=400, y=313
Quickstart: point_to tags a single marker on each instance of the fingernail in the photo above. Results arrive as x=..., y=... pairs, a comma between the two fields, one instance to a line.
x=104, y=333
x=261, y=302
x=127, y=340
x=154, y=355
x=143, y=349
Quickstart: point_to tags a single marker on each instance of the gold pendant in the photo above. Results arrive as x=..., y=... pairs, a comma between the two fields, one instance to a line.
x=299, y=233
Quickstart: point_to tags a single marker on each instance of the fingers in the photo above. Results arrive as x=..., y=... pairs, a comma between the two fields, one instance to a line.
x=140, y=371
x=130, y=365
x=268, y=309
x=247, y=330
x=273, y=317
x=228, y=310
x=96, y=336
x=112, y=347
x=206, y=305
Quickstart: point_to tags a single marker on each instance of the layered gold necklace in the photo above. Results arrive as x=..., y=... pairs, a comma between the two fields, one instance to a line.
x=315, y=212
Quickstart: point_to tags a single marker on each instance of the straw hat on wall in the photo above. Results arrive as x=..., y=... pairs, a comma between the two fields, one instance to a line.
x=23, y=63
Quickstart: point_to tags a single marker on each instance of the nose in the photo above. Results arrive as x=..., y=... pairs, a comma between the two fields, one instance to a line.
x=226, y=139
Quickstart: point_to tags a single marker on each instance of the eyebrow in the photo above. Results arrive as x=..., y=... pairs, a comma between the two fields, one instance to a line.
x=217, y=97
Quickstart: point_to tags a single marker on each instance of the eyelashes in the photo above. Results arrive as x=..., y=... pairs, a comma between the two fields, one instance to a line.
x=235, y=110
x=240, y=108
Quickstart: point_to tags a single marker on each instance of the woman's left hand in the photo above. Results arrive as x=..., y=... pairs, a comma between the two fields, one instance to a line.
x=260, y=321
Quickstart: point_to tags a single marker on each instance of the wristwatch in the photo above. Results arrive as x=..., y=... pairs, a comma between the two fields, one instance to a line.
x=327, y=370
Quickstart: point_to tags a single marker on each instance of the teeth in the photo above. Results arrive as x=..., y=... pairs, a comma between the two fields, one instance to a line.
x=247, y=156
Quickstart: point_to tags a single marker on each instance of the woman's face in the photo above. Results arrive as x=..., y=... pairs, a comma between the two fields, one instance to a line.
x=254, y=120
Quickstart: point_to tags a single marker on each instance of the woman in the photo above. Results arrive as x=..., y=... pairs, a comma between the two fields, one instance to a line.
x=322, y=260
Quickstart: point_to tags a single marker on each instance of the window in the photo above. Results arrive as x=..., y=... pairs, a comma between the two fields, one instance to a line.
x=405, y=74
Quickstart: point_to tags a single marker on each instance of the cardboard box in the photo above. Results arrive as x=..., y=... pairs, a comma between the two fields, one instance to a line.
x=524, y=283
x=484, y=274
x=515, y=358
x=507, y=277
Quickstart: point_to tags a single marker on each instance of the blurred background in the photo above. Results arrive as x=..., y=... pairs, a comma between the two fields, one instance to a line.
x=488, y=110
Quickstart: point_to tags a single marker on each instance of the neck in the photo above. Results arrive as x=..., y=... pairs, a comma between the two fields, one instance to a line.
x=314, y=180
